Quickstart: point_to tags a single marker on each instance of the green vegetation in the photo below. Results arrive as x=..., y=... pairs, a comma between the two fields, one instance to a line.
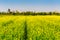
x=9, y=12
x=11, y=28
x=43, y=28
x=29, y=13
x=29, y=27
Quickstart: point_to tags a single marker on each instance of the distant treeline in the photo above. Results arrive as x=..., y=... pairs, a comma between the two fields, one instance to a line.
x=29, y=13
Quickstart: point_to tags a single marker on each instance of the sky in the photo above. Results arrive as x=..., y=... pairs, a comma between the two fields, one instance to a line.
x=30, y=5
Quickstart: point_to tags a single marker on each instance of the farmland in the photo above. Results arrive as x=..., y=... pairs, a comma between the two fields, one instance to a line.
x=29, y=27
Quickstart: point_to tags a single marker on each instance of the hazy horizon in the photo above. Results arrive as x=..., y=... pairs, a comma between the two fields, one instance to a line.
x=30, y=5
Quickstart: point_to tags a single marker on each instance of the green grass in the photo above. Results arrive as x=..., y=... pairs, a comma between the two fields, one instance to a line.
x=29, y=27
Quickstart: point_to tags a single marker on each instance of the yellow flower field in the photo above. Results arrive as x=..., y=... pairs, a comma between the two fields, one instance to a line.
x=29, y=27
